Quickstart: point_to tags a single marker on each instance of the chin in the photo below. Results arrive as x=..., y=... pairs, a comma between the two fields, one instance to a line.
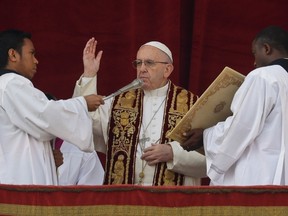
x=145, y=87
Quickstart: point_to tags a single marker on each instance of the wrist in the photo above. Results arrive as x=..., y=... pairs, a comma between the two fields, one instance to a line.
x=89, y=75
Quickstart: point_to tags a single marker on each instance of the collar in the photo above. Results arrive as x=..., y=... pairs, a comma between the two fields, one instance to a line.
x=283, y=62
x=157, y=92
x=4, y=71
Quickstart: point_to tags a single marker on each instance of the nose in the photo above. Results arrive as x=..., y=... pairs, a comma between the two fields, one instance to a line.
x=255, y=64
x=142, y=66
x=36, y=60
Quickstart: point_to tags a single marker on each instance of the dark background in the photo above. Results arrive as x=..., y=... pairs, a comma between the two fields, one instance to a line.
x=203, y=35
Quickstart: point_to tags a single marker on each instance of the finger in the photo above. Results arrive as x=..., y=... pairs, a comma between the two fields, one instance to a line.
x=191, y=148
x=99, y=56
x=147, y=155
x=93, y=46
x=186, y=143
x=188, y=133
x=86, y=46
x=89, y=45
x=150, y=148
x=152, y=162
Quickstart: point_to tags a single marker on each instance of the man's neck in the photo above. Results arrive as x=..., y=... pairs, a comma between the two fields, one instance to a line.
x=162, y=91
x=283, y=62
x=6, y=70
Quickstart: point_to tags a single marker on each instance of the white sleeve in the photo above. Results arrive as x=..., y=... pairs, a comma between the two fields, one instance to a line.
x=191, y=163
x=86, y=86
x=29, y=109
x=225, y=142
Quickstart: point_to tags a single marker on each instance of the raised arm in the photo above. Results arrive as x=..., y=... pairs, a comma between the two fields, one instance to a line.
x=91, y=62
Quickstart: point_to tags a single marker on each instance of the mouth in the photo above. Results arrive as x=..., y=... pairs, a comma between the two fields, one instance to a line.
x=143, y=78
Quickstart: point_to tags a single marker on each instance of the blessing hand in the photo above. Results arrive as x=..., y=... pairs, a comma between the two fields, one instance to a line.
x=90, y=62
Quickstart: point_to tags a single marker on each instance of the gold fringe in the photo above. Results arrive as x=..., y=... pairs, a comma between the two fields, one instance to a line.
x=128, y=210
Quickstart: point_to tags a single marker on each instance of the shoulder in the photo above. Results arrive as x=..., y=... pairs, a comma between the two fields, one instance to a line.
x=269, y=73
x=180, y=90
x=13, y=79
x=272, y=77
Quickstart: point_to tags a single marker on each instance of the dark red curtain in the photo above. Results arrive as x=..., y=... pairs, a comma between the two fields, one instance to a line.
x=204, y=36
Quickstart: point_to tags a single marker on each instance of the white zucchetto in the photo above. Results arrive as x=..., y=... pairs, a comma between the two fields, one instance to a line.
x=160, y=46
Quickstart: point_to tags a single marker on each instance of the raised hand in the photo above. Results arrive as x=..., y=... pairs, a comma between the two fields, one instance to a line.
x=90, y=61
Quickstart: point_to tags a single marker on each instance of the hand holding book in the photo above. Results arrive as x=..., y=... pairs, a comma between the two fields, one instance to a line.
x=212, y=107
x=194, y=139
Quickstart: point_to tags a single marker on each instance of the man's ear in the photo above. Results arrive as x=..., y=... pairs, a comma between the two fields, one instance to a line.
x=12, y=55
x=168, y=70
x=268, y=48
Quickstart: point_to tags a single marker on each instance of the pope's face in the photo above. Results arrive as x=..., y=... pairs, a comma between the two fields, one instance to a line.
x=154, y=69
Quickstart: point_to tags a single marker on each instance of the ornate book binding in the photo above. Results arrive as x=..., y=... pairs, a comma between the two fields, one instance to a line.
x=212, y=107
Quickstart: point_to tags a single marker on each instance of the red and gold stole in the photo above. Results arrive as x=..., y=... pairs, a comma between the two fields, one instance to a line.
x=124, y=129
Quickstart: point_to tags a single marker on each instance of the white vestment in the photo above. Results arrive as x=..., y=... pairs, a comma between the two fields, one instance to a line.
x=191, y=164
x=29, y=121
x=79, y=168
x=249, y=148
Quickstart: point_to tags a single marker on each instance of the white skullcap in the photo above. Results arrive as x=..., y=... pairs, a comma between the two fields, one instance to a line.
x=162, y=47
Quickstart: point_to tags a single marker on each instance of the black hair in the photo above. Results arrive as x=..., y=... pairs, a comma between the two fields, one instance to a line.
x=275, y=36
x=11, y=39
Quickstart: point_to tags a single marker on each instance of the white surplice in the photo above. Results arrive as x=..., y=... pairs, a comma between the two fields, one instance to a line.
x=79, y=168
x=28, y=122
x=249, y=148
x=191, y=164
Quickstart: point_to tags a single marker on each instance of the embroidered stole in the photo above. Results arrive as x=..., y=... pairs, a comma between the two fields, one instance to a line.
x=124, y=129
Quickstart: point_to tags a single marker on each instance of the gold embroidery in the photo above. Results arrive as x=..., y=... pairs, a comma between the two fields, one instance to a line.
x=169, y=178
x=124, y=118
x=128, y=100
x=118, y=174
x=116, y=131
x=182, y=99
x=124, y=133
x=219, y=107
x=123, y=127
x=181, y=102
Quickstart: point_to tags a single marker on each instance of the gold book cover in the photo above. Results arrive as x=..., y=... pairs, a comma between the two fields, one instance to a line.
x=212, y=107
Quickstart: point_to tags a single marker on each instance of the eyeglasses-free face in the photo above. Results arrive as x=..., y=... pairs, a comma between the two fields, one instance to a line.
x=148, y=63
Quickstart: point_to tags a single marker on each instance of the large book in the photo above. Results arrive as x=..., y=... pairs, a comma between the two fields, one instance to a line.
x=212, y=107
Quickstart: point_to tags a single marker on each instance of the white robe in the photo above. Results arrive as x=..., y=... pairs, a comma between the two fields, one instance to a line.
x=249, y=147
x=28, y=122
x=191, y=164
x=79, y=168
